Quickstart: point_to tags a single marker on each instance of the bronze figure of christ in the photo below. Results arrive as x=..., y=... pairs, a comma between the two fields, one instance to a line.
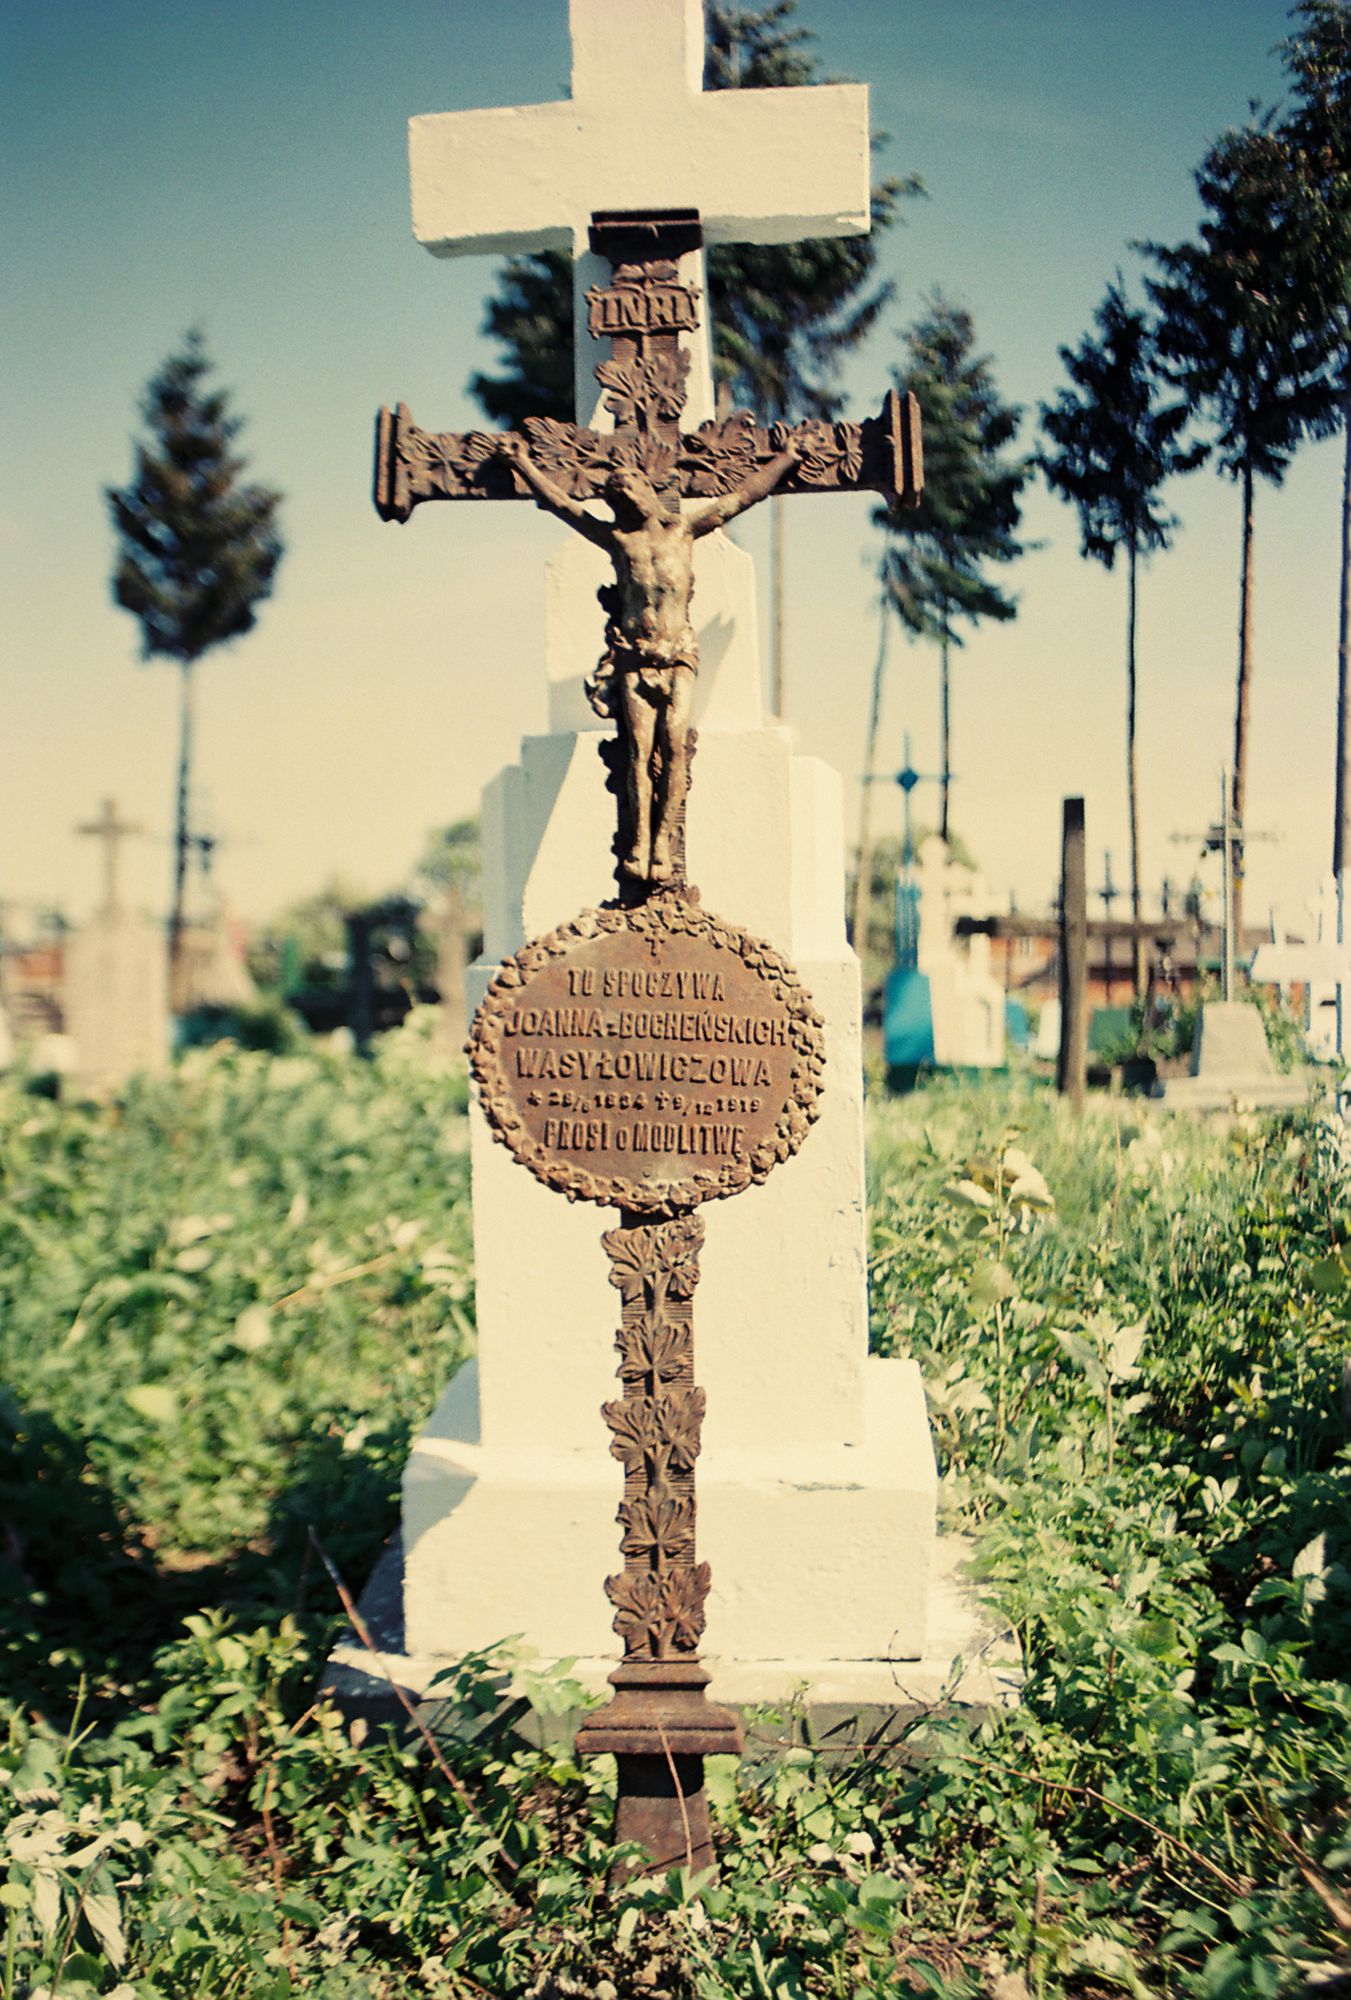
x=645, y=679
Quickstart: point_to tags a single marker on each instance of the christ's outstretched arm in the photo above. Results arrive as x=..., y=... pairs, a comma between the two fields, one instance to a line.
x=755, y=486
x=550, y=494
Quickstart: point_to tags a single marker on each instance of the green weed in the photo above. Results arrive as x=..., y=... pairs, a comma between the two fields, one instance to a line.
x=227, y=1302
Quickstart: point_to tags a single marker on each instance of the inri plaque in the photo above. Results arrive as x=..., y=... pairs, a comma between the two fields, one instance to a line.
x=648, y=1058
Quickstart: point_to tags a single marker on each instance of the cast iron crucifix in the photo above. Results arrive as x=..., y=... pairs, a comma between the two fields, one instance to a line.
x=554, y=1010
x=642, y=471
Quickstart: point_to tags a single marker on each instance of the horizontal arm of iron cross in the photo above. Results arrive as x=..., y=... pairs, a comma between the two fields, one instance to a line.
x=643, y=313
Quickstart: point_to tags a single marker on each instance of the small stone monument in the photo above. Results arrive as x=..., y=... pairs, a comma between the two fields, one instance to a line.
x=966, y=999
x=644, y=1044
x=1232, y=1067
x=212, y=972
x=115, y=999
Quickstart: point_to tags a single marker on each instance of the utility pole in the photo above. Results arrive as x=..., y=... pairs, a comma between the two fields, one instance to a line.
x=863, y=876
x=1227, y=838
x=1227, y=889
x=907, y=778
x=1107, y=895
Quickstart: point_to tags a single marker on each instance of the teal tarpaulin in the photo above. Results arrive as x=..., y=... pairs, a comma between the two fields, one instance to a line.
x=907, y=1019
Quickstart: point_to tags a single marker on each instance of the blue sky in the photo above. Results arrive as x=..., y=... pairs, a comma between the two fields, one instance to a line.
x=243, y=166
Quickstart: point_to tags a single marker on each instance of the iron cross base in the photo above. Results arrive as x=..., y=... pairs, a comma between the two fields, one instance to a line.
x=660, y=1726
x=658, y=1723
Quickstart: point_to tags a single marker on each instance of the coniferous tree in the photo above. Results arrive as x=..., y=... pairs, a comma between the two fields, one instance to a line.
x=936, y=556
x=531, y=315
x=1236, y=335
x=782, y=315
x=197, y=549
x=1318, y=132
x=1113, y=445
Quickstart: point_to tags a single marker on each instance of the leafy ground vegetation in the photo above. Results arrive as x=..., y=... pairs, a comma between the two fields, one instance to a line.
x=227, y=1301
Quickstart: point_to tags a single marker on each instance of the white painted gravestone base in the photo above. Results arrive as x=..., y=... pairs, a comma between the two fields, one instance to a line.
x=816, y=1481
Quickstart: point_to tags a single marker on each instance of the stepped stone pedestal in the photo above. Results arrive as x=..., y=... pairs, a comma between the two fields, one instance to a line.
x=1232, y=1065
x=817, y=1483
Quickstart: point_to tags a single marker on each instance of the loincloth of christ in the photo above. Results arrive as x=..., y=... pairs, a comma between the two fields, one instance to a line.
x=650, y=663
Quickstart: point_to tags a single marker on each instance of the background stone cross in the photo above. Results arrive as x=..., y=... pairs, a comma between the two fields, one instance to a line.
x=110, y=830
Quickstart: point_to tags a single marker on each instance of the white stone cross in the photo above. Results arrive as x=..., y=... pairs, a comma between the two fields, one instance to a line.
x=639, y=133
x=110, y=830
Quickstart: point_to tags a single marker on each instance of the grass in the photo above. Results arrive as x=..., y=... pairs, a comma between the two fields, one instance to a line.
x=226, y=1304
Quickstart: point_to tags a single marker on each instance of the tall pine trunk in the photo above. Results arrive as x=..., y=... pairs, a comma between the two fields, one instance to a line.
x=946, y=765
x=181, y=834
x=1132, y=779
x=1341, y=834
x=863, y=880
x=1241, y=704
x=1341, y=828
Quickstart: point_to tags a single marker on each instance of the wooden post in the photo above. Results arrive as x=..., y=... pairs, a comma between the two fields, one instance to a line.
x=1073, y=955
x=361, y=980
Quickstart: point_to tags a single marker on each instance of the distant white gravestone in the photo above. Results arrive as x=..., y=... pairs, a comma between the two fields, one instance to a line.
x=966, y=998
x=817, y=1484
x=1318, y=964
x=115, y=995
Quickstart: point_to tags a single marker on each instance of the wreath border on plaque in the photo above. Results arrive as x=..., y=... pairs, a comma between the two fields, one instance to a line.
x=674, y=917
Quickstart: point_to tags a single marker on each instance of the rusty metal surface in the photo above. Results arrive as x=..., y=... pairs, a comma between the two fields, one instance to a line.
x=656, y=1427
x=662, y=1806
x=650, y=1059
x=643, y=311
x=659, y=1722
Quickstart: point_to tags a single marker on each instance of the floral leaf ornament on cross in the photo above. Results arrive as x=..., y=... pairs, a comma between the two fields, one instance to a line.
x=578, y=459
x=655, y=1351
x=656, y=1614
x=664, y=1429
x=629, y=1262
x=647, y=385
x=659, y=1526
x=718, y=456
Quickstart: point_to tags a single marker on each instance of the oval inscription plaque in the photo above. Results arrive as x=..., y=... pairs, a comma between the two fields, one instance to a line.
x=650, y=1058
